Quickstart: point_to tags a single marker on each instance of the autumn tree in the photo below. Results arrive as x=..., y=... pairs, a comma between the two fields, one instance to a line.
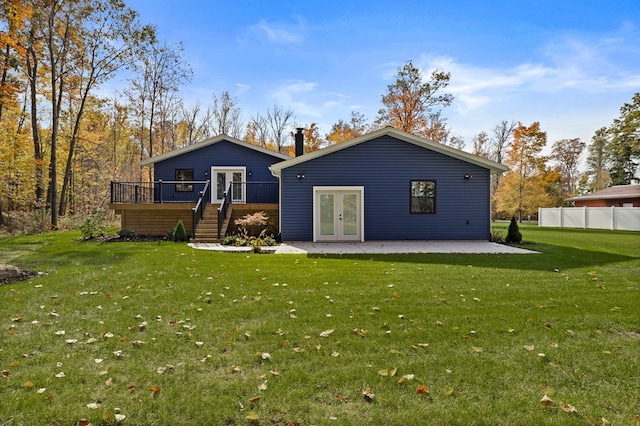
x=197, y=123
x=500, y=139
x=344, y=131
x=160, y=71
x=624, y=146
x=15, y=14
x=278, y=119
x=597, y=168
x=566, y=154
x=108, y=36
x=257, y=130
x=481, y=145
x=410, y=101
x=312, y=139
x=226, y=116
x=521, y=190
x=436, y=129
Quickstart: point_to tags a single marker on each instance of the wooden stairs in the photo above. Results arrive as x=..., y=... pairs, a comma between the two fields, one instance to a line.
x=207, y=230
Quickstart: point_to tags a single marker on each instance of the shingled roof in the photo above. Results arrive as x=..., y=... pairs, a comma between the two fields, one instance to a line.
x=611, y=193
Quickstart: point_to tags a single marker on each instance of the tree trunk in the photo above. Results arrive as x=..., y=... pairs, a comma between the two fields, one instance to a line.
x=38, y=155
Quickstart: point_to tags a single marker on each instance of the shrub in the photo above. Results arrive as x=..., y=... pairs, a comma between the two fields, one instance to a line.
x=497, y=236
x=252, y=224
x=179, y=233
x=93, y=226
x=125, y=233
x=513, y=233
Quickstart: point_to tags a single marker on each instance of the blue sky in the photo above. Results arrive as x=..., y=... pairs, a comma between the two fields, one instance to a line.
x=569, y=64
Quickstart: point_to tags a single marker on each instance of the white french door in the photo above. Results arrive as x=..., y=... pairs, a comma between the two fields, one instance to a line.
x=222, y=177
x=338, y=214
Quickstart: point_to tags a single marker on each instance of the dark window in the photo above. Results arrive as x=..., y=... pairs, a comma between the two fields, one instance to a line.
x=184, y=174
x=423, y=196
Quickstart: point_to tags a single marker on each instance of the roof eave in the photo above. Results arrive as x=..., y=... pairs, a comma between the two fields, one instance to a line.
x=493, y=166
x=206, y=142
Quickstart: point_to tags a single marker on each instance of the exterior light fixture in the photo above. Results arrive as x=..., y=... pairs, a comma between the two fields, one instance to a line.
x=300, y=176
x=467, y=176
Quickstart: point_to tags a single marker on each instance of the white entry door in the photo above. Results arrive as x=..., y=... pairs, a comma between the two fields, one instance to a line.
x=338, y=214
x=222, y=177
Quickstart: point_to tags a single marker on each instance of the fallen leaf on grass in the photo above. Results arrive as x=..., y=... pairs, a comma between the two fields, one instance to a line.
x=263, y=386
x=93, y=405
x=255, y=399
x=448, y=390
x=361, y=332
x=326, y=333
x=422, y=389
x=253, y=417
x=529, y=347
x=545, y=400
x=568, y=407
x=368, y=395
x=154, y=390
x=120, y=417
x=477, y=349
x=61, y=375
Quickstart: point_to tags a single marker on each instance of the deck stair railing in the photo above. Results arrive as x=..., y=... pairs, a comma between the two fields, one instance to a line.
x=224, y=206
x=198, y=210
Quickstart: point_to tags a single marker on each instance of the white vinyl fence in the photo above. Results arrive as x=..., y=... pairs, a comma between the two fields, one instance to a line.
x=614, y=218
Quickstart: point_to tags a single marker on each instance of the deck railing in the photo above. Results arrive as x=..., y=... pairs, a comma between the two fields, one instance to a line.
x=168, y=191
x=198, y=210
x=224, y=207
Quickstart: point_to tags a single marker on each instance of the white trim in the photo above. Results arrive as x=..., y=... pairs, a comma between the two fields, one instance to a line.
x=358, y=189
x=214, y=182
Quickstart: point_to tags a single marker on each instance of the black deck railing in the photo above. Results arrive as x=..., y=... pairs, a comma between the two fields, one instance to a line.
x=198, y=210
x=157, y=192
x=224, y=207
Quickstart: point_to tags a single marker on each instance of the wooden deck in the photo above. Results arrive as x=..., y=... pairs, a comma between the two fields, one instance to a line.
x=158, y=219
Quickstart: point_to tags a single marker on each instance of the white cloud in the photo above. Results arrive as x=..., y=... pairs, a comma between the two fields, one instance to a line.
x=582, y=63
x=242, y=88
x=306, y=99
x=281, y=33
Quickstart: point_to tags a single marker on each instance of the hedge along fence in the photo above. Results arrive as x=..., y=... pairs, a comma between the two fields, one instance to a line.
x=614, y=218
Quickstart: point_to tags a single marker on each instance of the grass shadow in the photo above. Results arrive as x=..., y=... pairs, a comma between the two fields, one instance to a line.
x=550, y=257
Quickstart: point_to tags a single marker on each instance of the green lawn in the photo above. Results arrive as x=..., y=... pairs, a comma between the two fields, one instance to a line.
x=166, y=335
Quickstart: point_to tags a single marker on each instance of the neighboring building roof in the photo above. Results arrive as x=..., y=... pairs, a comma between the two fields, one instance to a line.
x=398, y=134
x=611, y=193
x=206, y=142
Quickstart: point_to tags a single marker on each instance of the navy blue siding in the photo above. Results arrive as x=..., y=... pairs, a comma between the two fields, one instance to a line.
x=222, y=153
x=385, y=166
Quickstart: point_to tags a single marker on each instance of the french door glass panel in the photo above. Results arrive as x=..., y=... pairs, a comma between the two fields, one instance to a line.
x=350, y=214
x=221, y=185
x=327, y=214
x=224, y=177
x=338, y=215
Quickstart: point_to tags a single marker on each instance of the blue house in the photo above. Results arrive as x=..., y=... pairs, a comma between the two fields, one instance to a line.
x=386, y=185
x=198, y=184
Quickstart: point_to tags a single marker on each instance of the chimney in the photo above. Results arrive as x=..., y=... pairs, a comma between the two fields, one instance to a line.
x=299, y=142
